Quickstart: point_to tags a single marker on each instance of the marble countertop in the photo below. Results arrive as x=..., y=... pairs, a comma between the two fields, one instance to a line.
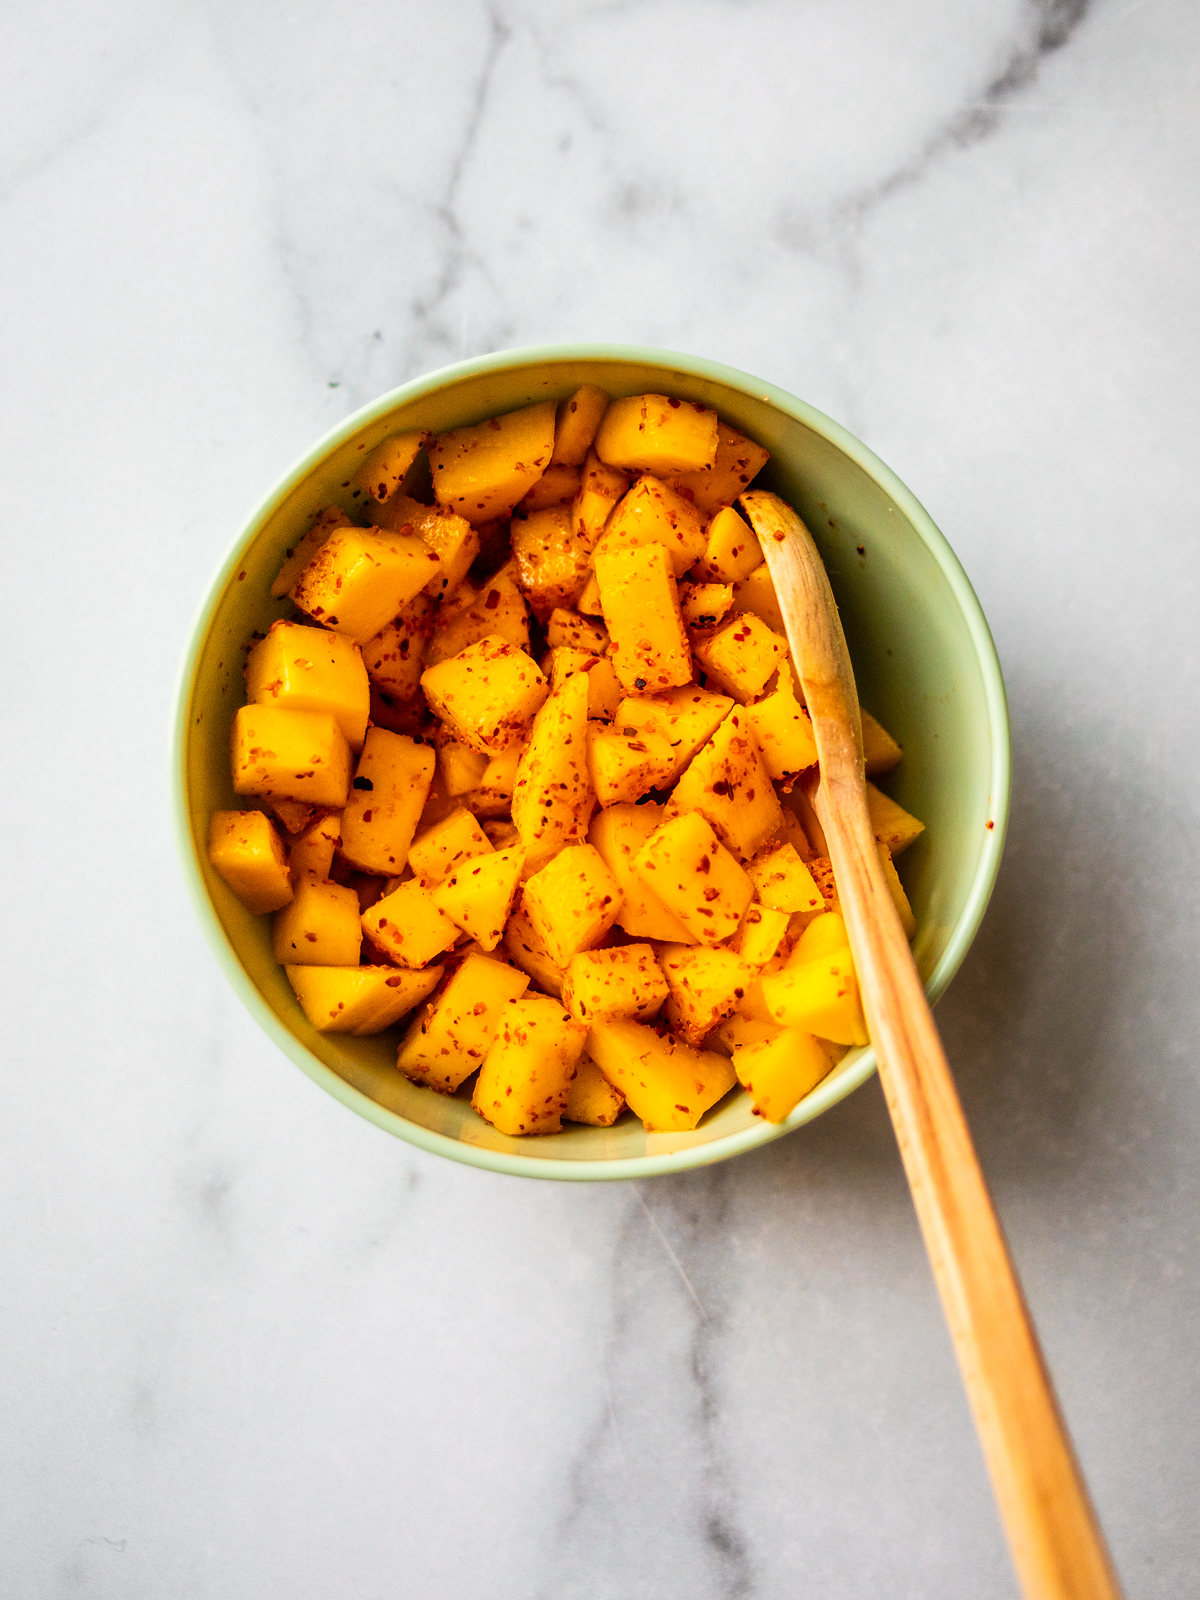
x=251, y=1346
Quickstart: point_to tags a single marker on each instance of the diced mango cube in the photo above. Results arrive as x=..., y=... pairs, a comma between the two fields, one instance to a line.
x=359, y=1000
x=822, y=875
x=312, y=852
x=557, y=486
x=524, y=948
x=460, y=768
x=695, y=877
x=361, y=578
x=892, y=825
x=654, y=433
x=382, y=472
x=727, y=783
x=600, y=489
x=311, y=669
x=667, y=1083
x=823, y=935
x=702, y=605
x=443, y=848
x=737, y=462
x=880, y=751
x=552, y=796
x=741, y=656
x=569, y=628
x=575, y=425
x=777, y=1073
x=526, y=1074
x=604, y=691
x=706, y=987
x=452, y=1033
x=820, y=996
x=298, y=557
x=731, y=550
x=591, y=1098
x=626, y=763
x=618, y=834
x=472, y=615
x=625, y=981
x=395, y=656
x=319, y=928
x=291, y=755
x=248, y=853
x=760, y=934
x=385, y=804
x=651, y=513
x=451, y=537
x=784, y=882
x=552, y=560
x=493, y=797
x=408, y=926
x=478, y=895
x=650, y=649
x=686, y=717
x=757, y=594
x=588, y=604
x=488, y=694
x=782, y=730
x=572, y=902
x=482, y=472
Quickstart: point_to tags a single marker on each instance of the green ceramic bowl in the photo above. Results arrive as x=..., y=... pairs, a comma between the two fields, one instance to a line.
x=923, y=657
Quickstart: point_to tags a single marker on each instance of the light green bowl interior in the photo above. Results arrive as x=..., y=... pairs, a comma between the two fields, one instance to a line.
x=923, y=657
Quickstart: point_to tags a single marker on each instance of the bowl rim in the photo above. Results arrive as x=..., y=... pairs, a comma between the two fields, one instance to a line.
x=839, y=1084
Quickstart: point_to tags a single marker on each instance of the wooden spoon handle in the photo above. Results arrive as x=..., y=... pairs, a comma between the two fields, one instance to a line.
x=1057, y=1546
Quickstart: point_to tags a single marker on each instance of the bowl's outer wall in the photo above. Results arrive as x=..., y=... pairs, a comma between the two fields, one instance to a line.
x=922, y=653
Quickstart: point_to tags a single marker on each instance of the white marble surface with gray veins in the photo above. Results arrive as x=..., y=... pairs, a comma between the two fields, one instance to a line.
x=251, y=1345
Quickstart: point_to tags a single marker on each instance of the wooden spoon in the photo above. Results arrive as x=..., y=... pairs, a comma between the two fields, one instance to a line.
x=1057, y=1546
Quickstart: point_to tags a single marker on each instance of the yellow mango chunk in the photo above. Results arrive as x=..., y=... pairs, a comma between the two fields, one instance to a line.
x=408, y=927
x=312, y=851
x=651, y=513
x=891, y=824
x=896, y=889
x=650, y=649
x=741, y=656
x=588, y=603
x=820, y=996
x=359, y=1000
x=361, y=578
x=395, y=656
x=460, y=768
x=552, y=561
x=591, y=1098
x=482, y=472
x=654, y=433
x=756, y=594
x=695, y=877
x=880, y=751
x=822, y=875
x=782, y=730
x=760, y=935
x=443, y=848
x=706, y=987
x=731, y=550
x=822, y=937
x=686, y=718
x=626, y=763
x=667, y=1083
x=600, y=488
x=297, y=558
x=385, y=803
x=618, y=834
x=383, y=471
x=319, y=928
x=493, y=796
x=488, y=694
x=290, y=755
x=575, y=425
x=702, y=605
x=604, y=692
x=784, y=882
x=524, y=948
x=452, y=539
x=479, y=894
x=526, y=1074
x=310, y=669
x=727, y=783
x=572, y=902
x=557, y=486
x=625, y=981
x=472, y=615
x=248, y=853
x=792, y=832
x=737, y=463
x=552, y=795
x=452, y=1033
x=777, y=1073
x=576, y=632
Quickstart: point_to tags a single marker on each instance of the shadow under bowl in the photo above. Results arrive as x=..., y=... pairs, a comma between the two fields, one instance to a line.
x=923, y=658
